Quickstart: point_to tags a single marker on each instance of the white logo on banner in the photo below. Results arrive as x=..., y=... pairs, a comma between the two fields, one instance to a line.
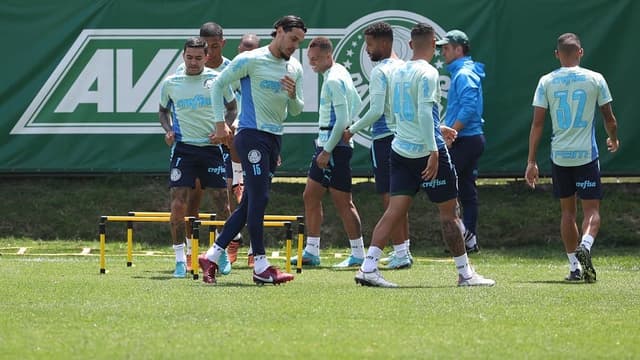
x=93, y=90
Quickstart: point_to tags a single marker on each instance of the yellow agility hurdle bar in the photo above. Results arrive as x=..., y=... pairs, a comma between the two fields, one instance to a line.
x=300, y=220
x=297, y=218
x=129, y=220
x=195, y=230
x=163, y=217
x=211, y=216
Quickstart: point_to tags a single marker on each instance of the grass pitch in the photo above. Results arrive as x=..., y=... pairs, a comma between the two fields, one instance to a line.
x=56, y=305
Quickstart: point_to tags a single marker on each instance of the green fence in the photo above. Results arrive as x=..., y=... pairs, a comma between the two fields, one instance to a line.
x=80, y=84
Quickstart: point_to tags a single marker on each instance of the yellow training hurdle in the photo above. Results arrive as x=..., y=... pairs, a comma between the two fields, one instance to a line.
x=141, y=216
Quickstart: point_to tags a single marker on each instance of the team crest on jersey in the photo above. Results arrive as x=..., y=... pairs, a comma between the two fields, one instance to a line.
x=176, y=174
x=254, y=156
x=207, y=83
x=351, y=51
x=290, y=69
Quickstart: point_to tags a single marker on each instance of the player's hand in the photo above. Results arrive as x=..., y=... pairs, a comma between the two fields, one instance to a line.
x=288, y=85
x=613, y=146
x=322, y=160
x=279, y=161
x=449, y=134
x=431, y=171
x=223, y=134
x=346, y=135
x=531, y=174
x=170, y=137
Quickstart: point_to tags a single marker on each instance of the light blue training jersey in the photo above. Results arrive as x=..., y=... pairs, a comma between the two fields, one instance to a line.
x=415, y=105
x=571, y=95
x=339, y=103
x=264, y=102
x=188, y=97
x=379, y=95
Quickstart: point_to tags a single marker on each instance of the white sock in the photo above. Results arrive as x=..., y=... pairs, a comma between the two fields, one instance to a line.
x=357, y=248
x=408, y=244
x=573, y=262
x=250, y=251
x=313, y=245
x=371, y=260
x=587, y=241
x=188, y=245
x=179, y=250
x=462, y=264
x=237, y=173
x=261, y=264
x=214, y=252
x=400, y=250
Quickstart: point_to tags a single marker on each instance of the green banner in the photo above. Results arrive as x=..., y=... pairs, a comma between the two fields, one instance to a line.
x=81, y=83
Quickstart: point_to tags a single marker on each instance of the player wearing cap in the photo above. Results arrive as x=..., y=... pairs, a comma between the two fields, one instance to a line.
x=464, y=114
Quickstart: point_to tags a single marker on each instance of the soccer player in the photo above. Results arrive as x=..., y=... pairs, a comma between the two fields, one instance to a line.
x=379, y=40
x=464, y=114
x=330, y=167
x=419, y=159
x=571, y=94
x=271, y=84
x=185, y=115
x=213, y=35
x=247, y=42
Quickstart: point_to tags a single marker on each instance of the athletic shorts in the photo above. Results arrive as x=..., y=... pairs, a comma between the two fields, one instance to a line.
x=583, y=179
x=380, y=152
x=406, y=177
x=189, y=162
x=338, y=174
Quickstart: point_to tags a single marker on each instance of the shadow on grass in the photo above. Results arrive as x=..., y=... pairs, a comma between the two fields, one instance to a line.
x=554, y=282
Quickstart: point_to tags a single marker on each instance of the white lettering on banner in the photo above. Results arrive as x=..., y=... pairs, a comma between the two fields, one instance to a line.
x=129, y=96
x=121, y=81
x=98, y=71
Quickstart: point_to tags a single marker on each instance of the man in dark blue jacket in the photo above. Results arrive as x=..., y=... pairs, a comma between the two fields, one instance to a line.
x=464, y=113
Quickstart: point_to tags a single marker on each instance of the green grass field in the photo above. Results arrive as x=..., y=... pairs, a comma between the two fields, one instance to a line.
x=56, y=305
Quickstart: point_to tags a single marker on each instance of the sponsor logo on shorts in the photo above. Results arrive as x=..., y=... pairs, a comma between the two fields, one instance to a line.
x=254, y=156
x=434, y=183
x=585, y=184
x=220, y=170
x=176, y=174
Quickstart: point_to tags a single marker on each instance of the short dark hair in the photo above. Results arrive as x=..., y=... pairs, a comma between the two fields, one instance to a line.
x=321, y=42
x=568, y=43
x=422, y=30
x=289, y=22
x=379, y=30
x=195, y=42
x=211, y=29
